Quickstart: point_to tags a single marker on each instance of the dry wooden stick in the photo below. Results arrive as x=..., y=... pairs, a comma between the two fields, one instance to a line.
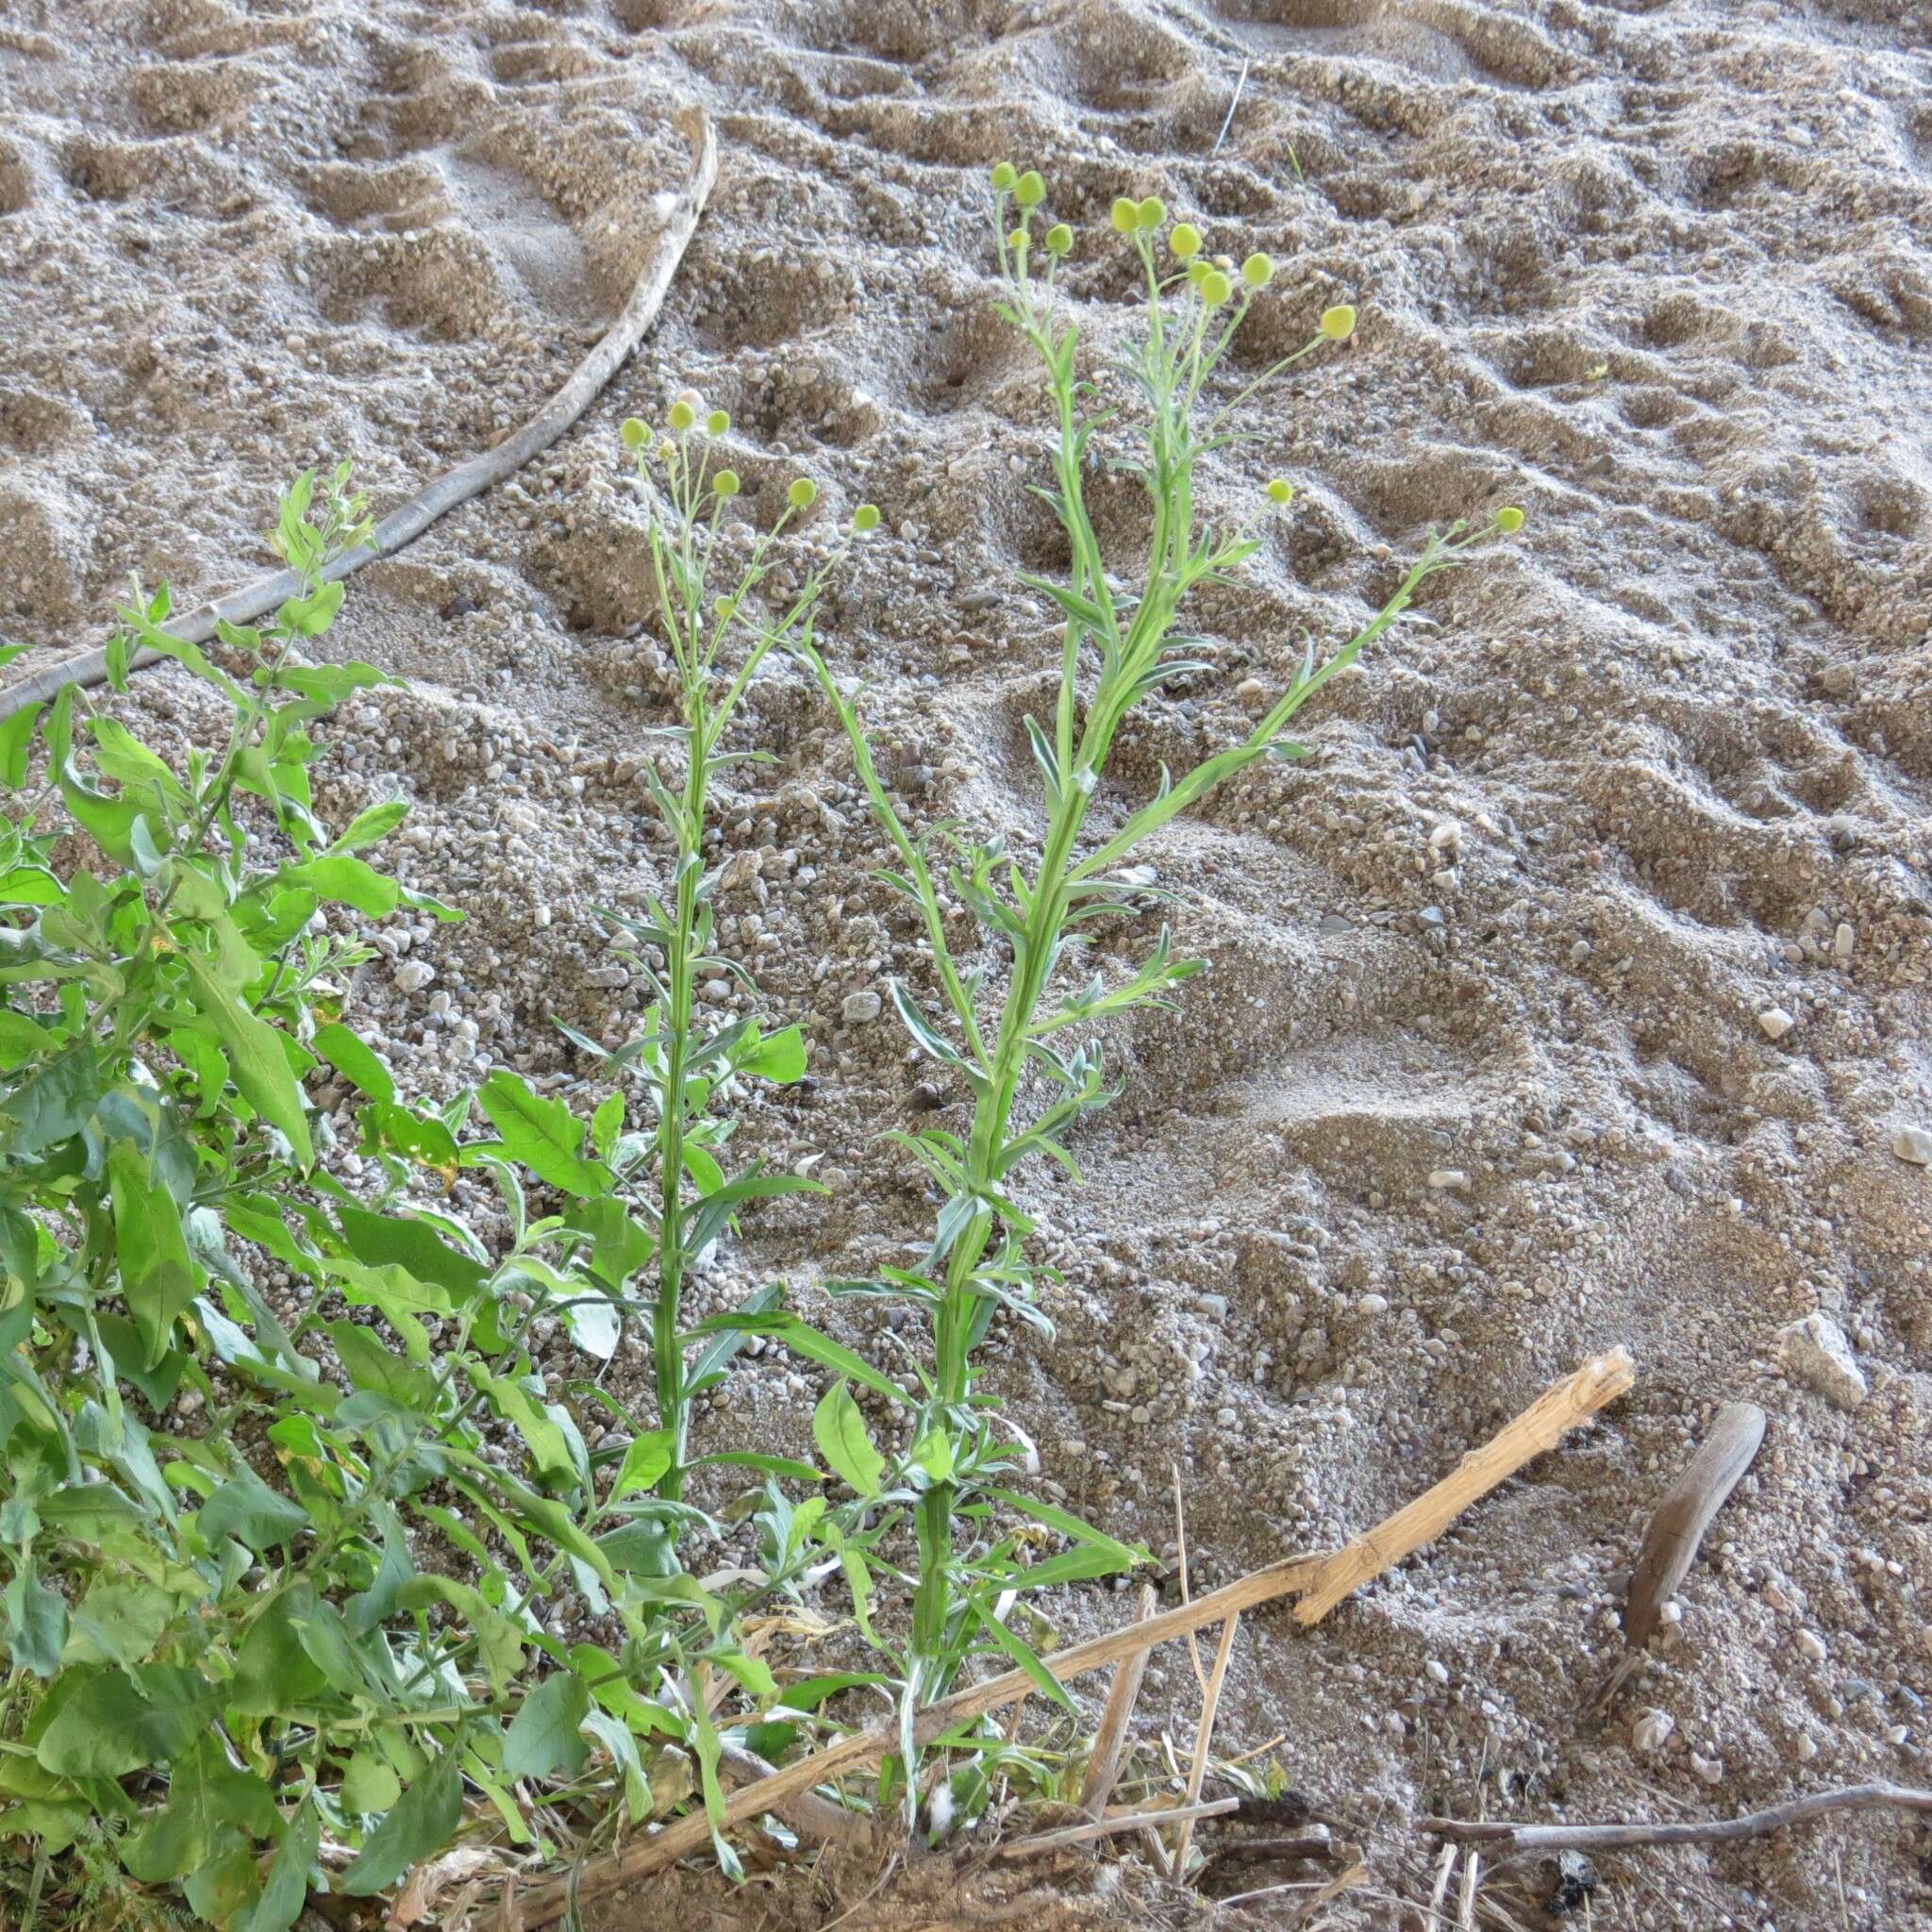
x=1608, y=1838
x=1471, y=1872
x=1110, y=1740
x=1445, y=1868
x=1180, y=1544
x=1211, y=1707
x=1541, y=1427
x=456, y=486
x=1575, y=1397
x=1105, y=1827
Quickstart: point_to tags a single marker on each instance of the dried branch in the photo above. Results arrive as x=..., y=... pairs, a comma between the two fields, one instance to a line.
x=1541, y=1427
x=1608, y=1838
x=1183, y=1815
x=456, y=486
x=1109, y=1742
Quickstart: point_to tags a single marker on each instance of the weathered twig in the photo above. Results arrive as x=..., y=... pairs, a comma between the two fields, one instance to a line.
x=1515, y=1838
x=1183, y=1815
x=1671, y=1542
x=1576, y=1396
x=456, y=486
x=1110, y=1740
x=1204, y=1735
x=1539, y=1426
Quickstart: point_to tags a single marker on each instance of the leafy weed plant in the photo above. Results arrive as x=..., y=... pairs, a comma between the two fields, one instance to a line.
x=1032, y=1032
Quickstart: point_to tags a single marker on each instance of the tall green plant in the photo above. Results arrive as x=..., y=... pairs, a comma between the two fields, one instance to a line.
x=1033, y=1031
x=719, y=633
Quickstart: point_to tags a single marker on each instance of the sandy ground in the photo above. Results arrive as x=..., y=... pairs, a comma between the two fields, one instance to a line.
x=1483, y=1077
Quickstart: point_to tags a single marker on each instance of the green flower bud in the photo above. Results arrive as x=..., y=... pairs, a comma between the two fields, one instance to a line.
x=1338, y=323
x=866, y=516
x=1030, y=190
x=803, y=492
x=1126, y=216
x=1509, y=521
x=725, y=483
x=725, y=609
x=1019, y=240
x=636, y=432
x=1005, y=178
x=1060, y=239
x=1198, y=271
x=717, y=422
x=682, y=416
x=1185, y=240
x=1151, y=213
x=1280, y=490
x=1215, y=288
x=1257, y=271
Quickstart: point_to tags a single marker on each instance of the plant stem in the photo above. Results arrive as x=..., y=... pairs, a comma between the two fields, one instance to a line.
x=672, y=1404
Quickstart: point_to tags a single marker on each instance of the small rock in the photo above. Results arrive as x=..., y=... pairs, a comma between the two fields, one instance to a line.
x=606, y=978
x=1373, y=1304
x=861, y=1008
x=413, y=975
x=1816, y=1353
x=1809, y=1645
x=1775, y=1022
x=1652, y=1731
x=1711, y=1770
x=1448, y=1177
x=1335, y=922
x=1913, y=1144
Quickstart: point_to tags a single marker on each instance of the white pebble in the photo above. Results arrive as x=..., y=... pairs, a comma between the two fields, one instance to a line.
x=1449, y=1177
x=1775, y=1022
x=1816, y=1355
x=413, y=975
x=1652, y=1731
x=1913, y=1144
x=861, y=1008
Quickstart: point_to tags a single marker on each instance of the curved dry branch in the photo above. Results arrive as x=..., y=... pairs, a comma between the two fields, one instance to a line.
x=456, y=486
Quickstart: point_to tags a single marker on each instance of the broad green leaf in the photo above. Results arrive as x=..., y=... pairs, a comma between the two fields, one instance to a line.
x=247, y=1509
x=844, y=1441
x=544, y=1134
x=36, y=1624
x=158, y=1276
x=644, y=1462
x=546, y=1737
x=204, y=1792
x=355, y=1061
x=255, y=1053
x=779, y=1058
x=370, y=828
x=118, y=1721
x=16, y=744
x=284, y=1890
x=422, y=1822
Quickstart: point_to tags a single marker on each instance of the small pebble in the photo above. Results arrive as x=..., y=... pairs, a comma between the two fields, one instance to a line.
x=1652, y=1731
x=1448, y=1177
x=861, y=1008
x=1913, y=1144
x=1775, y=1022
